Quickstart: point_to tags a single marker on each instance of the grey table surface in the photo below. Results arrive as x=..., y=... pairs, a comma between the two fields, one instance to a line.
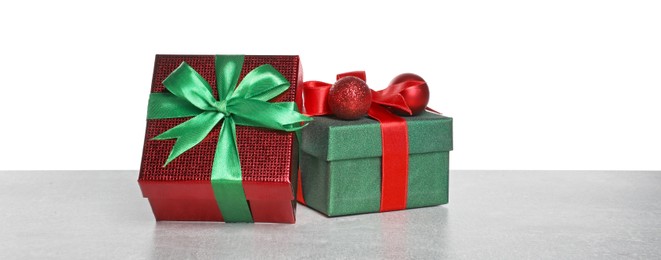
x=492, y=214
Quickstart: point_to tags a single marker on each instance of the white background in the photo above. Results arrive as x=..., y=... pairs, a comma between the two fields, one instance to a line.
x=530, y=84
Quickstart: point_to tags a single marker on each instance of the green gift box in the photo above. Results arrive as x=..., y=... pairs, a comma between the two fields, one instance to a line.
x=341, y=163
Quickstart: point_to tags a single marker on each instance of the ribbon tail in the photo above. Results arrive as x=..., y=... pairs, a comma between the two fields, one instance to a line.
x=189, y=133
x=226, y=178
x=433, y=111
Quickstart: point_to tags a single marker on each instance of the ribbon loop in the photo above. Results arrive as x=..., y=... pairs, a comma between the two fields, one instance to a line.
x=185, y=83
x=263, y=83
x=257, y=113
x=392, y=95
x=315, y=98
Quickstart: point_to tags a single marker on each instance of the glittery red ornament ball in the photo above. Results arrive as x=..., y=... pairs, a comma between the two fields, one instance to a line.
x=416, y=97
x=349, y=98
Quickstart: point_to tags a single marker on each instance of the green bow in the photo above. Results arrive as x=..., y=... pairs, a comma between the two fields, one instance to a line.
x=191, y=95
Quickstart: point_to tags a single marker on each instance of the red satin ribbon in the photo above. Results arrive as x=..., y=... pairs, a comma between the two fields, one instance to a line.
x=395, y=158
x=394, y=134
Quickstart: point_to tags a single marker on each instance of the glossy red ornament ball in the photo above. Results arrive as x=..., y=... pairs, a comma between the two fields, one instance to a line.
x=416, y=97
x=349, y=98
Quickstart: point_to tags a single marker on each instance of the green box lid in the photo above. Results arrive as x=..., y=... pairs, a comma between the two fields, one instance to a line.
x=335, y=139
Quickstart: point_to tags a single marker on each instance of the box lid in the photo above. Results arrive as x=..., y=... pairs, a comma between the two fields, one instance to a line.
x=334, y=139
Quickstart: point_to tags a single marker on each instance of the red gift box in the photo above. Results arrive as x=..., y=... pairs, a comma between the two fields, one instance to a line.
x=269, y=158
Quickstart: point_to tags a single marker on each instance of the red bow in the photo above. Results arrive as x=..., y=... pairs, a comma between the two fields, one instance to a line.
x=394, y=133
x=316, y=95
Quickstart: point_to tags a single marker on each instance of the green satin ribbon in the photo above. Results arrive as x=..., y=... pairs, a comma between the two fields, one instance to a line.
x=247, y=104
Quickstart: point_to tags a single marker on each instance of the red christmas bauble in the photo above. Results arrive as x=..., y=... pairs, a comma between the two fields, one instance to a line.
x=349, y=98
x=416, y=97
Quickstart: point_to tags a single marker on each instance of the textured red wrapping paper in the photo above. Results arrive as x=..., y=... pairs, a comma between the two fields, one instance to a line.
x=269, y=159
